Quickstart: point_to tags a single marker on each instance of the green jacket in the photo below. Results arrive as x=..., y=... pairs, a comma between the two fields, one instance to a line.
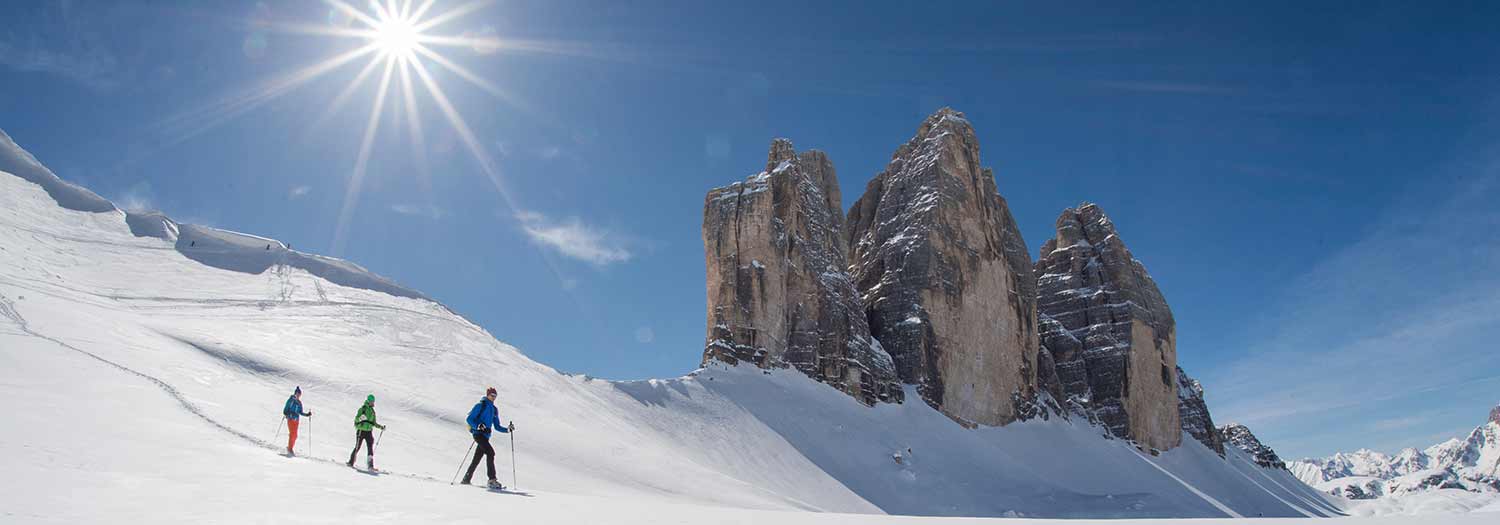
x=364, y=420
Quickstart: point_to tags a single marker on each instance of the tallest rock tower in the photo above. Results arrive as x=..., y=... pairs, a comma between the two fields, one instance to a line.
x=945, y=278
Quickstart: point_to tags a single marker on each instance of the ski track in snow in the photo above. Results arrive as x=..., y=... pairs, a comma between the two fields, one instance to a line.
x=1274, y=494
x=1324, y=505
x=8, y=309
x=15, y=316
x=1210, y=499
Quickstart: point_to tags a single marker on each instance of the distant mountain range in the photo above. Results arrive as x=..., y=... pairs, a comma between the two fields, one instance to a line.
x=1471, y=464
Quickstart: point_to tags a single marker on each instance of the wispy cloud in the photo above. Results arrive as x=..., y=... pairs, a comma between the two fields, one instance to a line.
x=299, y=192
x=549, y=152
x=57, y=39
x=1396, y=423
x=574, y=239
x=417, y=210
x=1404, y=316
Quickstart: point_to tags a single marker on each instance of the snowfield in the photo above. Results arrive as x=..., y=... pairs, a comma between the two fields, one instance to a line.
x=144, y=365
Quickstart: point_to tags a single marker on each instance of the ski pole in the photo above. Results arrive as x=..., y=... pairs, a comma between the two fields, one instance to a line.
x=278, y=430
x=461, y=464
x=309, y=436
x=513, y=460
x=377, y=438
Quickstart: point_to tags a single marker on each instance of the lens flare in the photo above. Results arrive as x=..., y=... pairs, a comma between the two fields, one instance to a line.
x=398, y=37
x=395, y=36
x=398, y=31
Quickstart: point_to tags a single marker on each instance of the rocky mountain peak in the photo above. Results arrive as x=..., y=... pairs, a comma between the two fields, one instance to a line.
x=778, y=294
x=945, y=276
x=1239, y=436
x=781, y=152
x=1193, y=411
x=1495, y=414
x=1110, y=331
x=944, y=121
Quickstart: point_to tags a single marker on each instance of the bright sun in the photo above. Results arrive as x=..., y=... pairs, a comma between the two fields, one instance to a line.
x=395, y=36
x=399, y=38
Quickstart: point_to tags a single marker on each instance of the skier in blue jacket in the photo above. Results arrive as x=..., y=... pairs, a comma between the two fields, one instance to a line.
x=483, y=418
x=293, y=412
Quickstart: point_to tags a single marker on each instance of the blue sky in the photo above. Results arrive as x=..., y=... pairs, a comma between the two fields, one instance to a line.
x=1312, y=187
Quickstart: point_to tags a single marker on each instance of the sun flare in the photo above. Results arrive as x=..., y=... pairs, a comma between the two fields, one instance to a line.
x=402, y=47
x=395, y=36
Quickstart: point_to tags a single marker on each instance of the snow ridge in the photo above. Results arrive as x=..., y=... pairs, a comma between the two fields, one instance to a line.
x=18, y=161
x=221, y=249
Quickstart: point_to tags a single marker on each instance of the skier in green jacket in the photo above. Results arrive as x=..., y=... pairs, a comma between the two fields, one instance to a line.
x=364, y=425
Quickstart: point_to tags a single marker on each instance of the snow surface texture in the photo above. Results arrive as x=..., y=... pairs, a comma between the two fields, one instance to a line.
x=146, y=384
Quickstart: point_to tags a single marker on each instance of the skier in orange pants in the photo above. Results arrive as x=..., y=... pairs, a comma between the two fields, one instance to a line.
x=293, y=412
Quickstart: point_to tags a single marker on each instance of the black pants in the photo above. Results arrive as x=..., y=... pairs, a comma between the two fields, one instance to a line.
x=484, y=449
x=366, y=437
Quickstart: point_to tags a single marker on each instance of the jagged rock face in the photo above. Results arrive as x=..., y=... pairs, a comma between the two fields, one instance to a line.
x=778, y=294
x=1482, y=450
x=1239, y=436
x=1423, y=480
x=1360, y=463
x=1409, y=460
x=1193, y=412
x=1450, y=452
x=1109, y=330
x=1357, y=488
x=1495, y=414
x=946, y=278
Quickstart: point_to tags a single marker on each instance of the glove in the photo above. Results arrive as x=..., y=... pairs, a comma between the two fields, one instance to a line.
x=308, y=414
x=512, y=426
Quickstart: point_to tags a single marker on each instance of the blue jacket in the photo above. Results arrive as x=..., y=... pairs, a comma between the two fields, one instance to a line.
x=293, y=409
x=487, y=414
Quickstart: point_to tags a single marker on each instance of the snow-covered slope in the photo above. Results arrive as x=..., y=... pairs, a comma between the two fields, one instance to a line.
x=145, y=364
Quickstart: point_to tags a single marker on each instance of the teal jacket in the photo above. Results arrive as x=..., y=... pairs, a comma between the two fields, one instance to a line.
x=293, y=409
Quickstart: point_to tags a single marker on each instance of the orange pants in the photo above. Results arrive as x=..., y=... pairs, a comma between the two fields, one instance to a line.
x=291, y=433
